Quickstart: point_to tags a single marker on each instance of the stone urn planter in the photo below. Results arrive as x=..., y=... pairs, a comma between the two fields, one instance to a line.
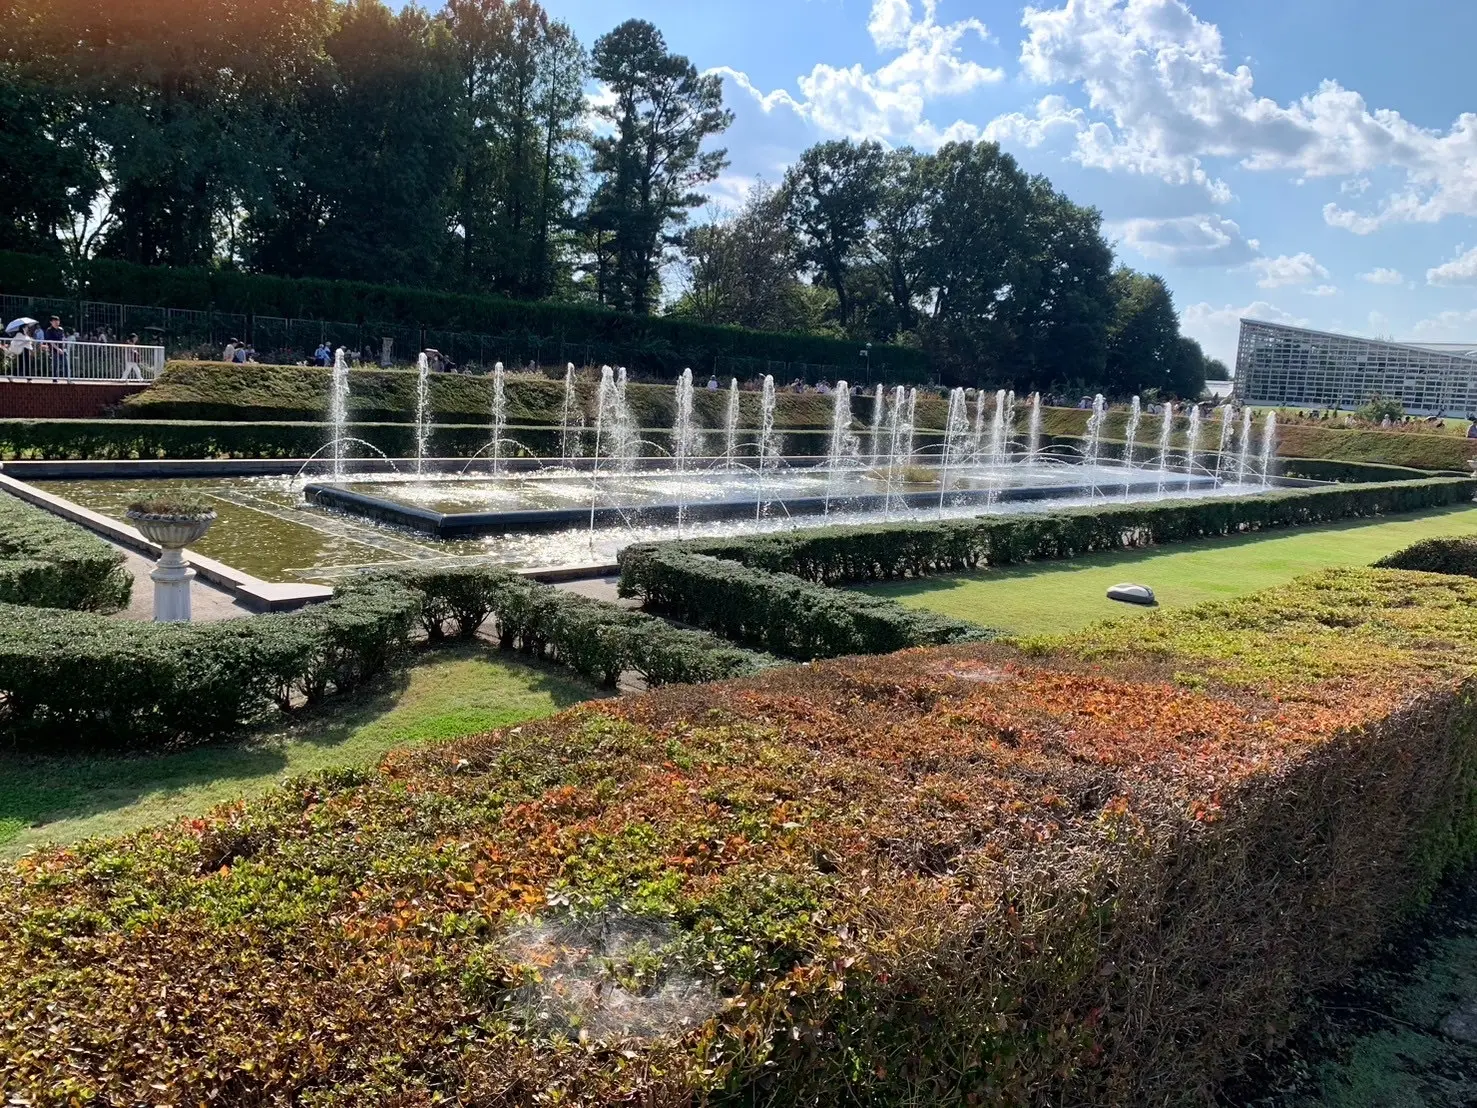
x=173, y=527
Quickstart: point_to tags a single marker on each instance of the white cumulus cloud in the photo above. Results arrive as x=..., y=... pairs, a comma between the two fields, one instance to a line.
x=1461, y=270
x=1191, y=240
x=1382, y=275
x=1161, y=99
x=890, y=102
x=1288, y=269
x=1217, y=329
x=1449, y=327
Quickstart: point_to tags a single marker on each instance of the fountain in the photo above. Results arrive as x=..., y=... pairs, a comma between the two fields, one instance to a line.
x=338, y=410
x=1223, y=451
x=978, y=441
x=1094, y=445
x=956, y=440
x=879, y=406
x=1166, y=440
x=843, y=445
x=1009, y=425
x=568, y=445
x=767, y=443
x=1131, y=433
x=684, y=441
x=730, y=427
x=1269, y=447
x=1243, y=466
x=1033, y=434
x=422, y=412
x=1192, y=445
x=499, y=416
x=894, y=442
x=996, y=455
x=910, y=427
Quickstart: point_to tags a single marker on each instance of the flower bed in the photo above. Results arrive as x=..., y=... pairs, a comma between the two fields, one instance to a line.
x=47, y=562
x=1097, y=871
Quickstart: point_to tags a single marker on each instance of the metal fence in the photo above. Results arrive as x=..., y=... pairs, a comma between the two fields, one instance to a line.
x=184, y=333
x=80, y=361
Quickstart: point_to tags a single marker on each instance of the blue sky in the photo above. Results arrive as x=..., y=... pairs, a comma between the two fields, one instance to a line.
x=1306, y=161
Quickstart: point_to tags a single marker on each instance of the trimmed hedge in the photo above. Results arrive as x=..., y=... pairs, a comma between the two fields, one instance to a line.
x=1455, y=556
x=1106, y=871
x=778, y=612
x=846, y=555
x=71, y=680
x=598, y=640
x=664, y=343
x=47, y=562
x=221, y=392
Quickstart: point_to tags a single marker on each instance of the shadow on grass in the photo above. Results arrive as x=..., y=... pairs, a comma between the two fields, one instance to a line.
x=37, y=789
x=916, y=586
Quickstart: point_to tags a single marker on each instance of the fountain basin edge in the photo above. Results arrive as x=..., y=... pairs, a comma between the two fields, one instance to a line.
x=457, y=525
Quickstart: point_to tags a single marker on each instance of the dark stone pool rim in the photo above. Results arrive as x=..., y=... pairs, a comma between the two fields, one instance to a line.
x=458, y=525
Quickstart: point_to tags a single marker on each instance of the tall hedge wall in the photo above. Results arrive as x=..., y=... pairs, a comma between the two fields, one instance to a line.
x=668, y=344
x=49, y=563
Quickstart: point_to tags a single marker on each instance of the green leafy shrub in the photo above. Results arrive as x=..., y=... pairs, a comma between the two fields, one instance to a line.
x=845, y=555
x=47, y=562
x=71, y=680
x=182, y=506
x=1456, y=556
x=778, y=612
x=600, y=641
x=976, y=875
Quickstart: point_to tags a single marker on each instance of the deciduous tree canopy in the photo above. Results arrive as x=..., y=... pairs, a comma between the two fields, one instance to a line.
x=483, y=149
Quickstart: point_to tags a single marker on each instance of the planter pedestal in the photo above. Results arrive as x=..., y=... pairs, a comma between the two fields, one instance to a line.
x=172, y=575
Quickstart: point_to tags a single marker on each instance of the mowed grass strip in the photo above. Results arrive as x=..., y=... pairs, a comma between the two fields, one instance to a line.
x=457, y=691
x=1049, y=597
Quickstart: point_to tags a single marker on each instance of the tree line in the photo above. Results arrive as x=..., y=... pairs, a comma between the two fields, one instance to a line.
x=486, y=149
x=992, y=271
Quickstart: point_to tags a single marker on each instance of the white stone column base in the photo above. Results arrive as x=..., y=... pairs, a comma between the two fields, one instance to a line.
x=172, y=579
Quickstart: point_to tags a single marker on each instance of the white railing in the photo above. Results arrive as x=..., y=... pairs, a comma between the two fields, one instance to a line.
x=79, y=361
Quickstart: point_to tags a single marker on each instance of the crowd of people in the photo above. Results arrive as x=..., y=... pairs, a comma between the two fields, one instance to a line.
x=34, y=349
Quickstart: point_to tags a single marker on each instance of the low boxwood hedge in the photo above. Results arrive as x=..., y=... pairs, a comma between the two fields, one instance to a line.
x=1446, y=555
x=779, y=612
x=845, y=555
x=69, y=680
x=50, y=563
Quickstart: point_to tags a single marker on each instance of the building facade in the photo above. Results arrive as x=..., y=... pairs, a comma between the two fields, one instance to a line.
x=1292, y=367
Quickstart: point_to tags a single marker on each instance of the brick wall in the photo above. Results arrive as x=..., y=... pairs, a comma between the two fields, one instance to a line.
x=60, y=400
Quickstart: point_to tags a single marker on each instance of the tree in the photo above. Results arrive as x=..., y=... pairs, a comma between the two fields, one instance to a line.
x=1216, y=370
x=1144, y=348
x=520, y=99
x=742, y=270
x=978, y=204
x=897, y=242
x=832, y=194
x=364, y=187
x=660, y=112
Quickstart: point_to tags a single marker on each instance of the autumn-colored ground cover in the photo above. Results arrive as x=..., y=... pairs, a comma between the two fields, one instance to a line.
x=1096, y=870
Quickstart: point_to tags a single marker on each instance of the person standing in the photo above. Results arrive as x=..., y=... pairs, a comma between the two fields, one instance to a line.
x=55, y=336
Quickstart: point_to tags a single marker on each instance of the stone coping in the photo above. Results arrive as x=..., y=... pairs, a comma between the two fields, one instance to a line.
x=261, y=596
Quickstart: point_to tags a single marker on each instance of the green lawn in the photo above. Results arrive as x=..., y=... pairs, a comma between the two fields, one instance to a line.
x=455, y=691
x=1047, y=597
